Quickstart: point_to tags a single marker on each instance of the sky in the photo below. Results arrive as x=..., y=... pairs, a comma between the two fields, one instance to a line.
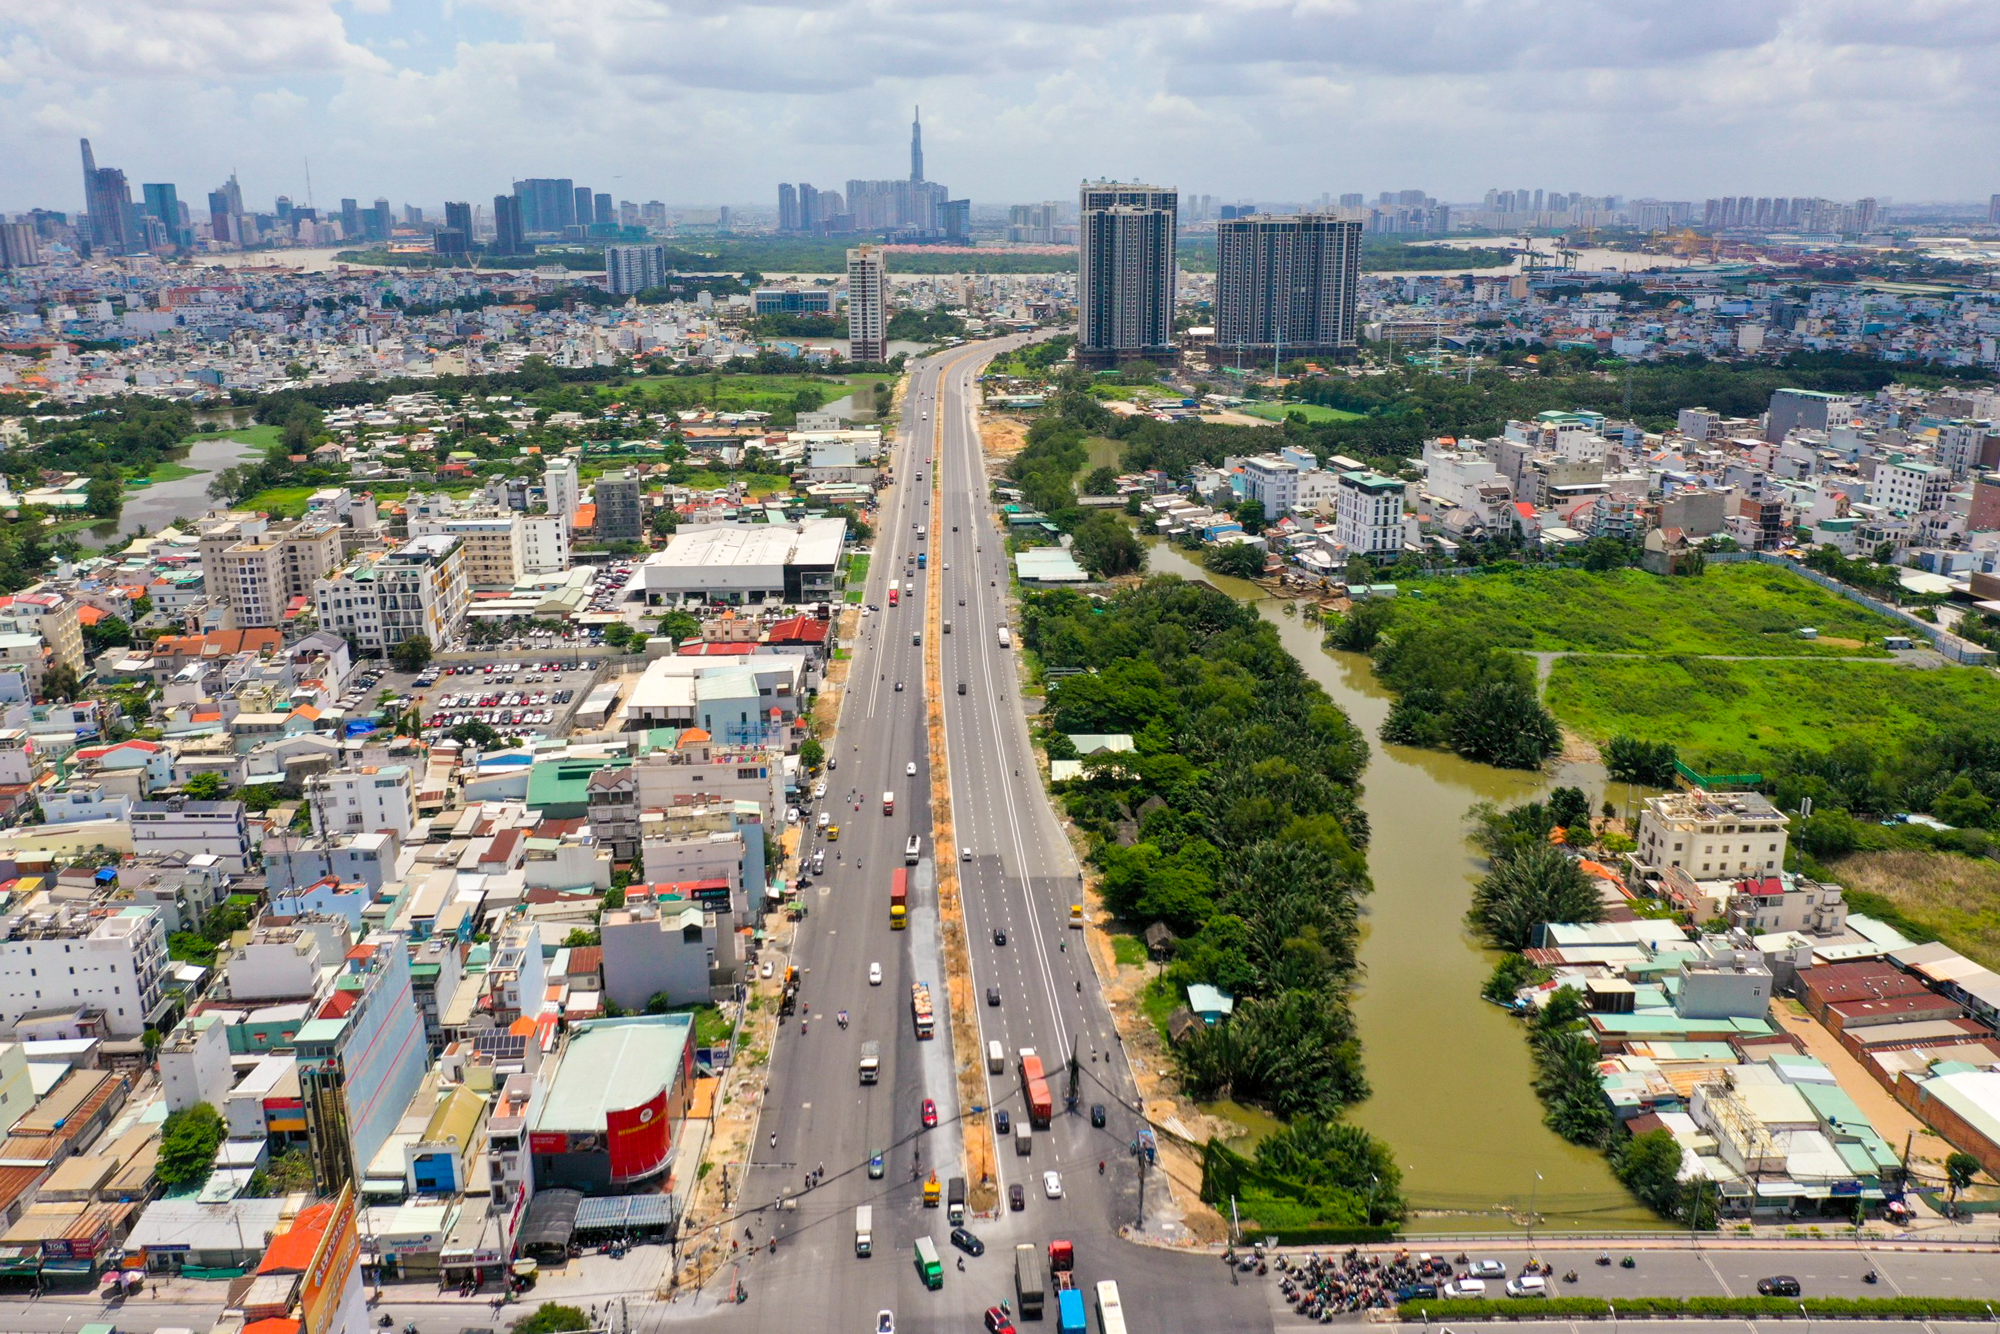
x=715, y=101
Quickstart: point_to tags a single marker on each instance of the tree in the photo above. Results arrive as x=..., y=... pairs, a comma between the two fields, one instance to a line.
x=105, y=496
x=1502, y=723
x=1959, y=1171
x=1107, y=548
x=665, y=521
x=1235, y=560
x=476, y=733
x=1649, y=1165
x=550, y=1318
x=61, y=683
x=811, y=754
x=614, y=898
x=205, y=786
x=1569, y=807
x=679, y=626
x=580, y=938
x=111, y=632
x=1536, y=885
x=188, y=1141
x=412, y=655
x=618, y=635
x=1250, y=513
x=1101, y=482
x=261, y=797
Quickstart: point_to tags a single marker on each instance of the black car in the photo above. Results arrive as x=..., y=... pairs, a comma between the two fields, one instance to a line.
x=999, y=937
x=1002, y=1123
x=1778, y=1285
x=1097, y=1115
x=1016, y=1200
x=992, y=995
x=961, y=687
x=966, y=1242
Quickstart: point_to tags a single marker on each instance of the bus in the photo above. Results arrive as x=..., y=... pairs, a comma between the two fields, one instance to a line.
x=1110, y=1311
x=895, y=592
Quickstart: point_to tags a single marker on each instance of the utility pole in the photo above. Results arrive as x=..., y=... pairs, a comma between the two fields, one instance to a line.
x=1139, y=1152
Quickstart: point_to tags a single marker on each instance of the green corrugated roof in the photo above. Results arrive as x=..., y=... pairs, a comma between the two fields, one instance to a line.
x=560, y=789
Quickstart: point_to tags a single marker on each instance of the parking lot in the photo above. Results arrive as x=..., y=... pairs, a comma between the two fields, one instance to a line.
x=522, y=694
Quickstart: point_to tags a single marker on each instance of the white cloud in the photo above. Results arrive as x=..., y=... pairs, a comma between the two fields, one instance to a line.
x=717, y=100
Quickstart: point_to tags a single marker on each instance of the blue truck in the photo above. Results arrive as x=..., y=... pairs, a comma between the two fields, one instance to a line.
x=1069, y=1312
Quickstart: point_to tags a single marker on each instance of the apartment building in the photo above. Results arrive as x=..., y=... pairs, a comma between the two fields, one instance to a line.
x=379, y=600
x=1908, y=486
x=217, y=829
x=620, y=509
x=52, y=616
x=562, y=489
x=652, y=949
x=369, y=1036
x=1368, y=514
x=494, y=543
x=371, y=799
x=867, y=305
x=1713, y=834
x=260, y=574
x=544, y=544
x=72, y=956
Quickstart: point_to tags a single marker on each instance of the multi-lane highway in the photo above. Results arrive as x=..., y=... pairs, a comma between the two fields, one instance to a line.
x=1020, y=879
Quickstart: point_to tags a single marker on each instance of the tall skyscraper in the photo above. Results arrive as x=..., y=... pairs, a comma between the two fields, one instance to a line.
x=630, y=269
x=1993, y=209
x=459, y=216
x=548, y=204
x=606, y=216
x=221, y=225
x=788, y=207
x=867, y=305
x=507, y=231
x=163, y=202
x=108, y=199
x=1126, y=271
x=1286, y=286
x=20, y=248
x=917, y=144
x=350, y=218
x=583, y=205
x=810, y=211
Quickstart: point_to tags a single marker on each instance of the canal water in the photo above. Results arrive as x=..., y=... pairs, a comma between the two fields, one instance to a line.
x=1450, y=1072
x=151, y=508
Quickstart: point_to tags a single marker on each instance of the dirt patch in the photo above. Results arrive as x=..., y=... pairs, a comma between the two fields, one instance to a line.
x=1002, y=437
x=1843, y=643
x=1956, y=897
x=1577, y=749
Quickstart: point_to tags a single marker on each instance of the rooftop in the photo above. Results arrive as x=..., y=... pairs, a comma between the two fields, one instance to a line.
x=609, y=1065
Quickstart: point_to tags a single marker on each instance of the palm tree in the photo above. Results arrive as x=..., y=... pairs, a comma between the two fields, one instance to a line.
x=1536, y=885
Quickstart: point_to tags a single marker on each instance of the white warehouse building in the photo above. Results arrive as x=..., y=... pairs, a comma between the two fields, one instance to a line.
x=744, y=564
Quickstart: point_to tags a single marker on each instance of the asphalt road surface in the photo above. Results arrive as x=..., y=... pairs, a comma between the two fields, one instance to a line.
x=1022, y=878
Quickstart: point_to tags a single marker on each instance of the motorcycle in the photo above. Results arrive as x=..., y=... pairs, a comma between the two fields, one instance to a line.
x=1628, y=1263
x=842, y=1018
x=1869, y=1277
x=1570, y=1277
x=1604, y=1257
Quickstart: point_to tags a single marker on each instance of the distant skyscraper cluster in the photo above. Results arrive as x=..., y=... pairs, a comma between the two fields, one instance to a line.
x=909, y=210
x=1797, y=214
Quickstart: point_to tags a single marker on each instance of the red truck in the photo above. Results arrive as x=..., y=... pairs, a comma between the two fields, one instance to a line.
x=899, y=899
x=1062, y=1265
x=1035, y=1090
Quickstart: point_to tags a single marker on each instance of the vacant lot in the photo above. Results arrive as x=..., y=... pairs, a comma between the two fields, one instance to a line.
x=1956, y=897
x=1751, y=710
x=1746, y=609
x=1312, y=412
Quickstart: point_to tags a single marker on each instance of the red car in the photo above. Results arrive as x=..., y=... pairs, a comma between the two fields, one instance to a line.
x=997, y=1321
x=930, y=1114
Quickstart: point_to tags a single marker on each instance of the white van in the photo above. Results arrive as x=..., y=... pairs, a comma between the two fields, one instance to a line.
x=1465, y=1287
x=911, y=850
x=1528, y=1285
x=1024, y=1138
x=996, y=1058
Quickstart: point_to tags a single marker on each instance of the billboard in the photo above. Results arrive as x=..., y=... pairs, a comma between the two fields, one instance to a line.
x=638, y=1137
x=326, y=1282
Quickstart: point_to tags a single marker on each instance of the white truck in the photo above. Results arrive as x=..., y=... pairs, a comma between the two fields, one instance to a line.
x=871, y=1061
x=864, y=1230
x=1006, y=637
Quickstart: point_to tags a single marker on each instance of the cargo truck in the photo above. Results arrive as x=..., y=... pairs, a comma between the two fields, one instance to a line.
x=932, y=1193
x=899, y=899
x=864, y=1230
x=871, y=1062
x=923, y=560
x=920, y=1009
x=1028, y=1282
x=930, y=1266
x=1006, y=637
x=894, y=593
x=1069, y=1312
x=954, y=1200
x=1035, y=1089
x=888, y=803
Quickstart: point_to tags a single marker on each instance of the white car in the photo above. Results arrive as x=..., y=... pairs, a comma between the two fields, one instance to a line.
x=1052, y=1184
x=885, y=1322
x=1465, y=1287
x=874, y=974
x=766, y=970
x=910, y=769
x=1487, y=1269
x=1528, y=1285
x=819, y=790
x=791, y=812
x=824, y=819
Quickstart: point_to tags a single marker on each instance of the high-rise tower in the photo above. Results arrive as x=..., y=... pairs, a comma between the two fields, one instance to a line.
x=916, y=144
x=1126, y=270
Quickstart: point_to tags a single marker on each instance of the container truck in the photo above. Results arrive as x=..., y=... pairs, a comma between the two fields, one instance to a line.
x=954, y=1200
x=864, y=1230
x=871, y=1062
x=1028, y=1282
x=1035, y=1089
x=895, y=593
x=920, y=1010
x=1062, y=1265
x=1069, y=1312
x=899, y=899
x=929, y=1265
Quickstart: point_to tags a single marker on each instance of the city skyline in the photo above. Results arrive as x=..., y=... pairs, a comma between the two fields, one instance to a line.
x=1809, y=98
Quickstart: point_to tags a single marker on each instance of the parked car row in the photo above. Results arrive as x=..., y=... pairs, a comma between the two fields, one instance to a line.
x=438, y=722
x=505, y=699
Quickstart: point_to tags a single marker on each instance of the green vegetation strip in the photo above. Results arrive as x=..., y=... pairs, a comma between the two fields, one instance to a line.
x=1731, y=609
x=1905, y=1308
x=1732, y=716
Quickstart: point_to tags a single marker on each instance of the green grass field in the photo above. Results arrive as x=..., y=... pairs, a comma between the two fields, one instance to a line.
x=1732, y=609
x=745, y=393
x=163, y=472
x=1751, y=710
x=286, y=502
x=758, y=483
x=261, y=436
x=1312, y=412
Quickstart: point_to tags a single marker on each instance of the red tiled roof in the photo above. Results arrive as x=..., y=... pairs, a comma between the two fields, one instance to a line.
x=292, y=1252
